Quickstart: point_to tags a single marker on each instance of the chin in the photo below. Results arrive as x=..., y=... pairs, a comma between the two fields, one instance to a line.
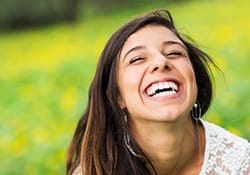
x=171, y=115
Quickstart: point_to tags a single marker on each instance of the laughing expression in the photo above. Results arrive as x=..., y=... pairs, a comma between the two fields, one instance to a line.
x=155, y=76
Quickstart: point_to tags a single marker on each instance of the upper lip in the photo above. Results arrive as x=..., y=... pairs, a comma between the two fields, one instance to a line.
x=162, y=80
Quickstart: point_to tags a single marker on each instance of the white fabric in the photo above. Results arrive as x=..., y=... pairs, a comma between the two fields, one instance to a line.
x=78, y=171
x=225, y=153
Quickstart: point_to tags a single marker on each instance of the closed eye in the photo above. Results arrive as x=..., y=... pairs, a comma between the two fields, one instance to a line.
x=175, y=54
x=136, y=59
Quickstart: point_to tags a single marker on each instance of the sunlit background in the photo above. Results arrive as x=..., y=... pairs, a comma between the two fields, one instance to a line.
x=48, y=54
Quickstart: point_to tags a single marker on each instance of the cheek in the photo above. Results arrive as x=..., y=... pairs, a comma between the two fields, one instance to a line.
x=129, y=84
x=187, y=69
x=190, y=74
x=191, y=77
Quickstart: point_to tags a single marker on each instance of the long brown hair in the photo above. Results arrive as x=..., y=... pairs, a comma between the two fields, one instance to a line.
x=98, y=144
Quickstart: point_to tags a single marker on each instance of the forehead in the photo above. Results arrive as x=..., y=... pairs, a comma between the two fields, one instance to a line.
x=149, y=35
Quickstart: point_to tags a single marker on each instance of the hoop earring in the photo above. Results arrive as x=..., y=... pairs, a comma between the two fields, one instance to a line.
x=196, y=111
x=127, y=142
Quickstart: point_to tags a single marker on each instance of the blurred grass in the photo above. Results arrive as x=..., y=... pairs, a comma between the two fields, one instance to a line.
x=45, y=75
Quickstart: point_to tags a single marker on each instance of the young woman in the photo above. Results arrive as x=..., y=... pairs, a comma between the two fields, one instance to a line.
x=150, y=90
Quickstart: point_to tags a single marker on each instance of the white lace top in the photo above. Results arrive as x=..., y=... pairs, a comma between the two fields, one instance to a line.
x=225, y=153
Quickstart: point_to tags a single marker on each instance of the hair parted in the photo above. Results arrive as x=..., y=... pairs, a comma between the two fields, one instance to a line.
x=98, y=145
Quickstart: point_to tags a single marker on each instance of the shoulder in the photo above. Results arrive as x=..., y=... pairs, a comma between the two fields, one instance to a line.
x=218, y=133
x=225, y=153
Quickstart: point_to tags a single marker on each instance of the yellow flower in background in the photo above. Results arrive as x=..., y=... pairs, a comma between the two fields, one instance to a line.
x=68, y=99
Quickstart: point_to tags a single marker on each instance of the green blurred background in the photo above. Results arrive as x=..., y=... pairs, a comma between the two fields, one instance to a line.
x=48, y=58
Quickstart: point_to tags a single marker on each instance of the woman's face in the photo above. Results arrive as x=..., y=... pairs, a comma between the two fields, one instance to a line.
x=155, y=76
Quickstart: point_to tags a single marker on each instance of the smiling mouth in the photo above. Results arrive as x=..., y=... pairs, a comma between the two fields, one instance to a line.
x=161, y=89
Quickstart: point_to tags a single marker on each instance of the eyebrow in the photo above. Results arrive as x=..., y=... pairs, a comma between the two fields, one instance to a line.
x=165, y=43
x=133, y=49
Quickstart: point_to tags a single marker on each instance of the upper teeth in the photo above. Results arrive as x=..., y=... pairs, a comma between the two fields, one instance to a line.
x=166, y=88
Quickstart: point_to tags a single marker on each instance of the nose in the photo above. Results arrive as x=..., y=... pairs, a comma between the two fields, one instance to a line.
x=160, y=63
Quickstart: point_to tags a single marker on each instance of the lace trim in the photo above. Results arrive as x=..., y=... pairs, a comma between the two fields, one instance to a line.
x=225, y=153
x=78, y=171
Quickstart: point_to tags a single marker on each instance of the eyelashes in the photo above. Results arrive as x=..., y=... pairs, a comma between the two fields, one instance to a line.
x=136, y=59
x=171, y=54
x=175, y=54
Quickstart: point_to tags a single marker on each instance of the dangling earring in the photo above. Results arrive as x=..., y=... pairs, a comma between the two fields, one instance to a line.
x=126, y=138
x=196, y=115
x=125, y=117
x=196, y=111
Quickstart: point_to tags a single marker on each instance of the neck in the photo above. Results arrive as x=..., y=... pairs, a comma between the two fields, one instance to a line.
x=171, y=147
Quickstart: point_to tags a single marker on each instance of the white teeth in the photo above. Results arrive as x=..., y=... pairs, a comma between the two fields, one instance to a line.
x=162, y=89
